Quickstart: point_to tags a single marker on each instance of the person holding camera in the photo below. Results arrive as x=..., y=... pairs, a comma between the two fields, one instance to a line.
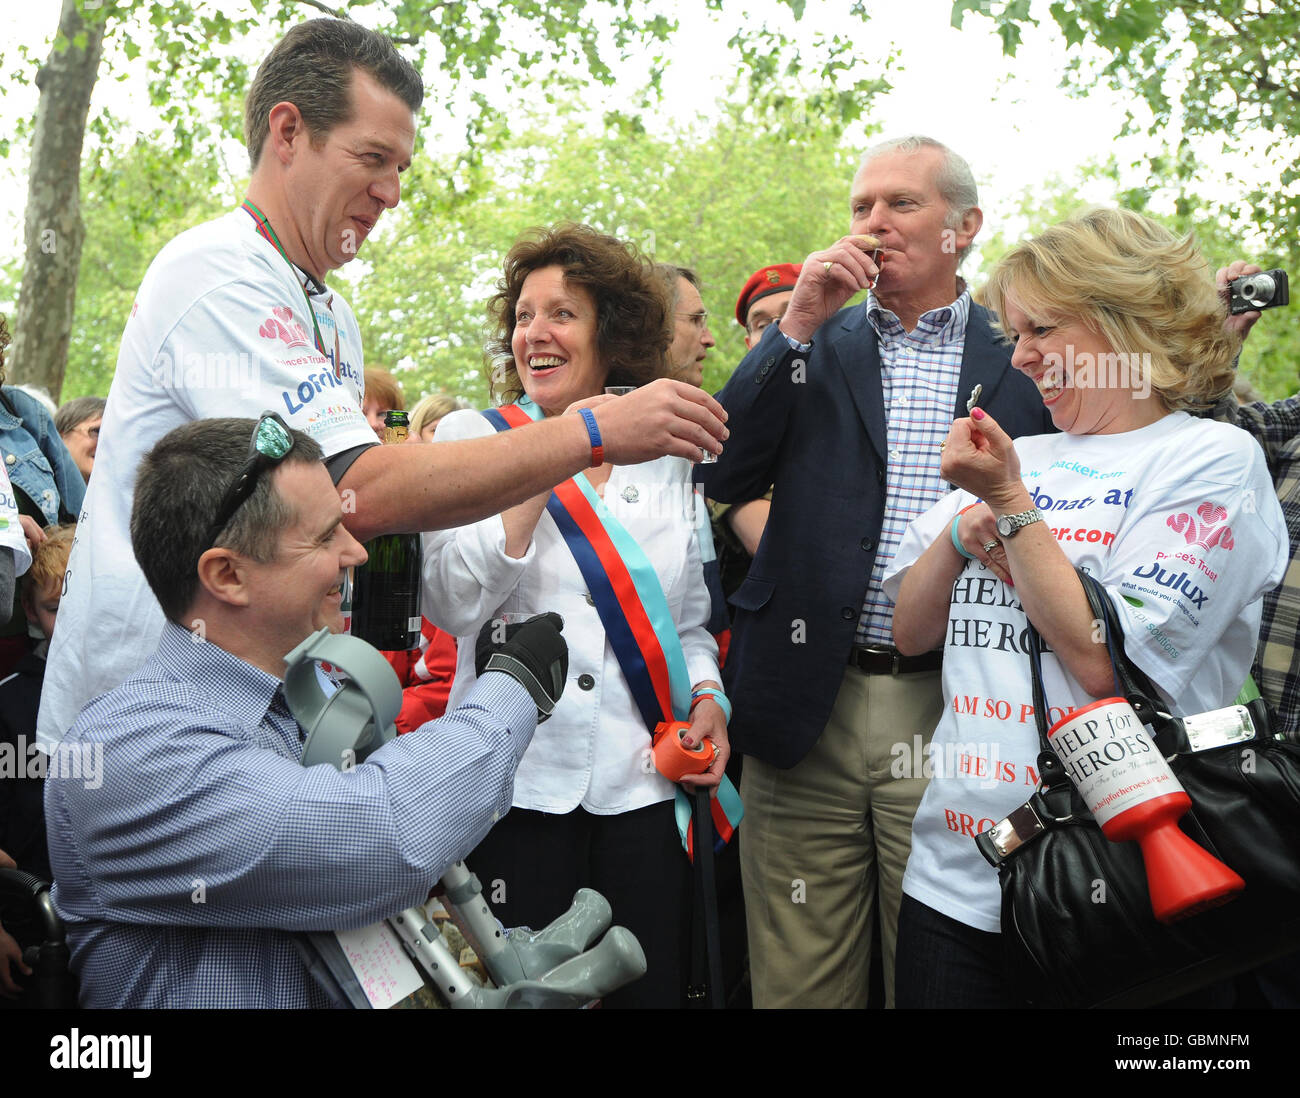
x=1121, y=327
x=1276, y=427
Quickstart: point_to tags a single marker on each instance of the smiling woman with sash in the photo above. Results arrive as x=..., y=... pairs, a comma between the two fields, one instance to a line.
x=614, y=552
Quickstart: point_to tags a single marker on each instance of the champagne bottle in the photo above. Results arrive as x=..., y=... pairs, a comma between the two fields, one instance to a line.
x=386, y=589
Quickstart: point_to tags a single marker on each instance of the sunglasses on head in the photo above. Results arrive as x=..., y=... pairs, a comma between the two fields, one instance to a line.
x=270, y=443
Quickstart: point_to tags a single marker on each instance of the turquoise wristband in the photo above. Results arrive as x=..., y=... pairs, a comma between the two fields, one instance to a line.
x=956, y=541
x=717, y=695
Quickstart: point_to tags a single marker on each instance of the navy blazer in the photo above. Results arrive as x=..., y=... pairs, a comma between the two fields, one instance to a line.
x=816, y=434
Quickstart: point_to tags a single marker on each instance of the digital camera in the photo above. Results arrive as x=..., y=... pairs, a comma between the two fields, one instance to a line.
x=1258, y=291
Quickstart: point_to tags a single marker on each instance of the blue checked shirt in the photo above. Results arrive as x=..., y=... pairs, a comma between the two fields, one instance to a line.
x=185, y=874
x=919, y=371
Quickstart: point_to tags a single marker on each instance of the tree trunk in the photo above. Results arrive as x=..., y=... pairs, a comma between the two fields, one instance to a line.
x=54, y=230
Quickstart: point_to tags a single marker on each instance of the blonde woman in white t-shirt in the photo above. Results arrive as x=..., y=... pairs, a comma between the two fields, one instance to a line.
x=1120, y=325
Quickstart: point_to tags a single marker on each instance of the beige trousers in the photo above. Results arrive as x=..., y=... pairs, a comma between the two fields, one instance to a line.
x=821, y=841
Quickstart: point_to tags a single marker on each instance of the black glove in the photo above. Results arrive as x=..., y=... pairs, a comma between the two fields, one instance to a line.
x=532, y=652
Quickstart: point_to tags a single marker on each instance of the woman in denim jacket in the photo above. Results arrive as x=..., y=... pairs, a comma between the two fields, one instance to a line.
x=37, y=461
x=47, y=485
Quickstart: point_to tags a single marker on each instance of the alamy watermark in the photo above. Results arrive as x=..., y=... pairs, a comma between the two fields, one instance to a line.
x=977, y=762
x=1100, y=370
x=28, y=759
x=207, y=370
x=103, y=1051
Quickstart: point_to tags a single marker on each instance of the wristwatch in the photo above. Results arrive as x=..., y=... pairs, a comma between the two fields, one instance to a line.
x=1009, y=525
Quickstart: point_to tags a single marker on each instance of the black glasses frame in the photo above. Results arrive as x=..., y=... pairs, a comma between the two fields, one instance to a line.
x=262, y=455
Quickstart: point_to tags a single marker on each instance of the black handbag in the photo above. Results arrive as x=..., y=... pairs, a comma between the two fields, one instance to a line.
x=1077, y=923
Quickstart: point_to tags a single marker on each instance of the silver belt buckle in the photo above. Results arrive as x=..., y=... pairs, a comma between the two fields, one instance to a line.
x=1218, y=728
x=885, y=650
x=1017, y=829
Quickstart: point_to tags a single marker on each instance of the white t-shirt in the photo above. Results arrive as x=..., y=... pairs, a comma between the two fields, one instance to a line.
x=594, y=751
x=1180, y=523
x=11, y=529
x=219, y=328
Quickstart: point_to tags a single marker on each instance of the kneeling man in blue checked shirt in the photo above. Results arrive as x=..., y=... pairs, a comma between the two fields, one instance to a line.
x=187, y=876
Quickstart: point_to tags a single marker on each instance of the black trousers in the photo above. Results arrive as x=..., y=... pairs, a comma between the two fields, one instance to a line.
x=943, y=963
x=531, y=863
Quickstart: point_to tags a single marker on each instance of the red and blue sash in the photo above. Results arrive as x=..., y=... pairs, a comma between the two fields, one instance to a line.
x=627, y=595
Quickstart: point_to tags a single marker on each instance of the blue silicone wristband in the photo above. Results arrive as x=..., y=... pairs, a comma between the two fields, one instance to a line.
x=956, y=541
x=593, y=433
x=718, y=696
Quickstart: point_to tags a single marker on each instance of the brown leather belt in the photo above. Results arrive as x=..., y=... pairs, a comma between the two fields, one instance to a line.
x=882, y=659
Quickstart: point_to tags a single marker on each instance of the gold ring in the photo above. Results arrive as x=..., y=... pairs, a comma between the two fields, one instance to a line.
x=942, y=445
x=827, y=264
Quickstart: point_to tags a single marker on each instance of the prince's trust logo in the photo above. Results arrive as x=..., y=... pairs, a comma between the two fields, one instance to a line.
x=1210, y=531
x=281, y=325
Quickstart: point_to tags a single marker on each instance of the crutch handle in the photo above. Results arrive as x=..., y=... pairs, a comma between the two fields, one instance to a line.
x=540, y=951
x=616, y=961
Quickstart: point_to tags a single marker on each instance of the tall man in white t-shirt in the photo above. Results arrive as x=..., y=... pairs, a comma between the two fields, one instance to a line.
x=234, y=317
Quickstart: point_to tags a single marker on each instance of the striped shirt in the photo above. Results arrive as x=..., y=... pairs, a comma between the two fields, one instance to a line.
x=185, y=872
x=1277, y=661
x=919, y=371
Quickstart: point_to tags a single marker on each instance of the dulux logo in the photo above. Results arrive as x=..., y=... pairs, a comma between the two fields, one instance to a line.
x=1175, y=581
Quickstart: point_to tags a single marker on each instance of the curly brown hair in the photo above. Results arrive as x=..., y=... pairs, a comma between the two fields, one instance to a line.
x=632, y=309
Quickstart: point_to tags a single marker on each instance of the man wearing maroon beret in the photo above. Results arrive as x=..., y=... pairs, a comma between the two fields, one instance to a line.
x=841, y=411
x=739, y=527
x=765, y=298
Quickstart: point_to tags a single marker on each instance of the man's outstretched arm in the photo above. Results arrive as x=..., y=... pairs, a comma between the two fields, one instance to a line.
x=434, y=487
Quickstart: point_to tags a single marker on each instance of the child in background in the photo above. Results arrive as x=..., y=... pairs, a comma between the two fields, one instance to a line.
x=22, y=814
x=383, y=394
x=22, y=809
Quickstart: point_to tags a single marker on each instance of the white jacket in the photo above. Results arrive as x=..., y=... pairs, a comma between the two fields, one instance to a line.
x=595, y=749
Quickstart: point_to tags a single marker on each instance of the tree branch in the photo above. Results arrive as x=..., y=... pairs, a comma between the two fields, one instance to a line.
x=327, y=10
x=399, y=40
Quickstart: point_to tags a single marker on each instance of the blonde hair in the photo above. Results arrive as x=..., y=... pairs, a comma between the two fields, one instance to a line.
x=430, y=408
x=50, y=560
x=1146, y=290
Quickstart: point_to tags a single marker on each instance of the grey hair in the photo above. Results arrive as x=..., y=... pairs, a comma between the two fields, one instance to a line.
x=954, y=179
x=73, y=413
x=669, y=273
